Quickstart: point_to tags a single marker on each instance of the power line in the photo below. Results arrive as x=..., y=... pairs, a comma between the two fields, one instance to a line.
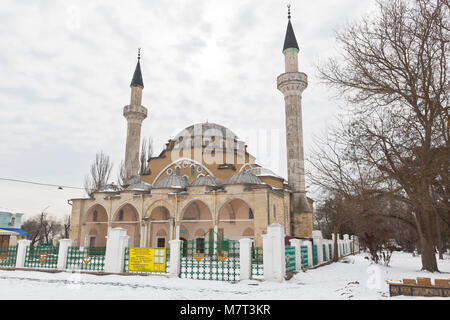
x=59, y=186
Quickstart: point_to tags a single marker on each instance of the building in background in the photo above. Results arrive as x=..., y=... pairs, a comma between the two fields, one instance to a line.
x=10, y=232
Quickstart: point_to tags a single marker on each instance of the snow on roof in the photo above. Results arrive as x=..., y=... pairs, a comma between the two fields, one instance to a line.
x=5, y=210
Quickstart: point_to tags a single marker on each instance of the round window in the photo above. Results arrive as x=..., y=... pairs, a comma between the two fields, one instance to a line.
x=199, y=168
x=169, y=171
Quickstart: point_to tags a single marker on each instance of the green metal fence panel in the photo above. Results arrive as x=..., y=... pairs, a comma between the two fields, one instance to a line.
x=314, y=254
x=304, y=256
x=86, y=258
x=290, y=258
x=257, y=270
x=324, y=250
x=126, y=260
x=330, y=250
x=41, y=257
x=8, y=255
x=216, y=259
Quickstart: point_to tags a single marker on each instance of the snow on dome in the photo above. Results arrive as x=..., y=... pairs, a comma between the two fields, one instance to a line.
x=244, y=178
x=139, y=186
x=207, y=129
x=172, y=181
x=109, y=188
x=206, y=181
x=263, y=172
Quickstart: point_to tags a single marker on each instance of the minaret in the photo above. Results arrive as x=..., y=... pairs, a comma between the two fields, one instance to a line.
x=135, y=113
x=291, y=84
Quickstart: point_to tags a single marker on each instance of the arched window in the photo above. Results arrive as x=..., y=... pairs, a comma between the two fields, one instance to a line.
x=177, y=170
x=121, y=215
x=250, y=213
x=95, y=215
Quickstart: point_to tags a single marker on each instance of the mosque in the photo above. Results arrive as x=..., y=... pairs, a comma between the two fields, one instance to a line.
x=204, y=180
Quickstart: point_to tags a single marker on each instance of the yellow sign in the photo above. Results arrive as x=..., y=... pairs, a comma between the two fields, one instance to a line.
x=147, y=260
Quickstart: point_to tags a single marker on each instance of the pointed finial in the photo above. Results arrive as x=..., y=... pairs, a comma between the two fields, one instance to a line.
x=139, y=53
x=289, y=11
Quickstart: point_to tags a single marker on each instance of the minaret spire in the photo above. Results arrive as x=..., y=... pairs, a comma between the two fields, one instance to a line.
x=135, y=113
x=291, y=84
x=137, y=76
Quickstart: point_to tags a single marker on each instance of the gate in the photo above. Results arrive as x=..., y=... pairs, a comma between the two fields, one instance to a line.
x=210, y=257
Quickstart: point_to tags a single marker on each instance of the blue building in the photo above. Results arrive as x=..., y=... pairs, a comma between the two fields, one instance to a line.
x=10, y=222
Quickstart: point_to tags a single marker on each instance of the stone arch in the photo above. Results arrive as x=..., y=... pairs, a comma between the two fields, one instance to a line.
x=127, y=217
x=94, y=229
x=159, y=219
x=194, y=215
x=233, y=217
x=248, y=232
x=102, y=213
x=159, y=203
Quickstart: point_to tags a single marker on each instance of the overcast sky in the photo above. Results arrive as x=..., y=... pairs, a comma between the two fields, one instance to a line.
x=66, y=66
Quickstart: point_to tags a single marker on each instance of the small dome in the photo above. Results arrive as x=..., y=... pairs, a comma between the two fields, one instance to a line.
x=172, y=181
x=109, y=188
x=244, y=178
x=263, y=172
x=206, y=181
x=139, y=186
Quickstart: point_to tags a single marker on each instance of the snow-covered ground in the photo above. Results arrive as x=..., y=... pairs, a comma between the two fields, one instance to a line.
x=353, y=278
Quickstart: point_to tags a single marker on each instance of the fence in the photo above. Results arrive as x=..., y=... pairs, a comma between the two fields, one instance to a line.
x=8, y=256
x=42, y=257
x=290, y=259
x=86, y=258
x=219, y=259
x=257, y=268
x=314, y=255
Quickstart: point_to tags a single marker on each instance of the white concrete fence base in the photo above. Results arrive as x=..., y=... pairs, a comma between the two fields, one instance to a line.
x=116, y=242
x=273, y=253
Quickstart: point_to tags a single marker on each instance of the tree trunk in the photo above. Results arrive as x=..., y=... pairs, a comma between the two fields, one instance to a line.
x=336, y=252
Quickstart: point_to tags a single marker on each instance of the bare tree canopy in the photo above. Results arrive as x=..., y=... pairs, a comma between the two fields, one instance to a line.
x=44, y=227
x=98, y=176
x=146, y=154
x=396, y=141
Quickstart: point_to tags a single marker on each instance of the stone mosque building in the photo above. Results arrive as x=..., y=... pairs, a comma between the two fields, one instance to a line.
x=203, y=180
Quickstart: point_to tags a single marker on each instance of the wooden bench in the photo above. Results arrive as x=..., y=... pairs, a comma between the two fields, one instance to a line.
x=423, y=287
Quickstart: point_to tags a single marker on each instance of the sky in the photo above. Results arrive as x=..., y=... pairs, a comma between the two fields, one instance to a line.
x=66, y=67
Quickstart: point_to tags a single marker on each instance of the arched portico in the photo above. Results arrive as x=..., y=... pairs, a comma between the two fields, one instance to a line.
x=195, y=216
x=127, y=217
x=159, y=224
x=95, y=227
x=236, y=220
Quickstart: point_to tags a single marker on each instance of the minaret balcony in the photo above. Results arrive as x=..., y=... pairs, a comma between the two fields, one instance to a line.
x=133, y=112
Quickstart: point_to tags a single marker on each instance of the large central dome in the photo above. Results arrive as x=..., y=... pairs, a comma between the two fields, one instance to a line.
x=207, y=129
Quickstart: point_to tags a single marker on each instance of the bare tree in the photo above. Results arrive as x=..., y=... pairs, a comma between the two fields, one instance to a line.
x=99, y=173
x=394, y=74
x=146, y=154
x=43, y=228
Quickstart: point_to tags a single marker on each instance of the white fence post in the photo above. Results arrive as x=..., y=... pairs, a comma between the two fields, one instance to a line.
x=273, y=253
x=22, y=246
x=64, y=245
x=346, y=244
x=317, y=240
x=116, y=242
x=245, y=258
x=296, y=243
x=175, y=247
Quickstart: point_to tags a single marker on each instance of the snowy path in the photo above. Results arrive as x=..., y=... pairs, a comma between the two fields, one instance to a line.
x=350, y=280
